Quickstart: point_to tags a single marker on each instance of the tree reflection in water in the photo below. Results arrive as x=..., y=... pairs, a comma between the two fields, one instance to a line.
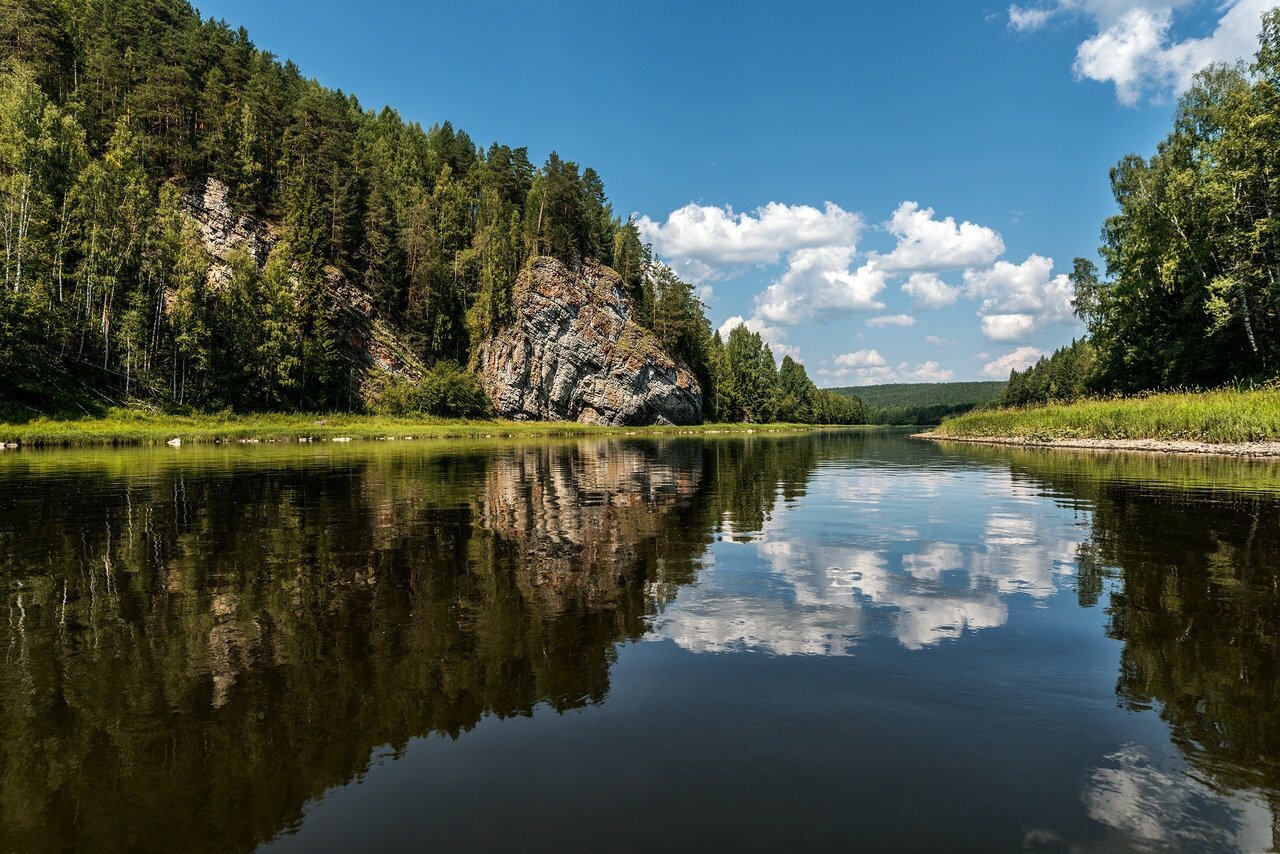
x=1189, y=551
x=196, y=647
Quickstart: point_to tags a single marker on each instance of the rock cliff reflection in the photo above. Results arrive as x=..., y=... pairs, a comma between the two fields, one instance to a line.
x=204, y=646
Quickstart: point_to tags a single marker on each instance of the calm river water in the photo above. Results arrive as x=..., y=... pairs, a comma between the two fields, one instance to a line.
x=832, y=641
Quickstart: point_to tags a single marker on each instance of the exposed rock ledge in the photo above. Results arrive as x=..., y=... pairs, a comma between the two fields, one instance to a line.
x=366, y=339
x=1152, y=446
x=574, y=354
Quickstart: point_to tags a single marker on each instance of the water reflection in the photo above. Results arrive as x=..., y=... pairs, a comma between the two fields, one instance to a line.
x=827, y=588
x=200, y=644
x=193, y=652
x=1189, y=551
x=1140, y=801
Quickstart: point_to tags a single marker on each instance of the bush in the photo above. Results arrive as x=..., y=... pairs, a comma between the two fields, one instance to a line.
x=447, y=391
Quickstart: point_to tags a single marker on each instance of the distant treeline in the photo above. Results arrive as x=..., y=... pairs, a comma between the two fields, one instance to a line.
x=111, y=109
x=922, y=403
x=1191, y=293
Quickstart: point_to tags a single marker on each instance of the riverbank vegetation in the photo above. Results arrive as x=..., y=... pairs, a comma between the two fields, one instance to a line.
x=135, y=427
x=1190, y=298
x=114, y=112
x=1226, y=416
x=921, y=403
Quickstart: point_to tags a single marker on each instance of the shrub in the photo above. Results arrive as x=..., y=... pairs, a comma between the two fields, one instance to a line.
x=446, y=391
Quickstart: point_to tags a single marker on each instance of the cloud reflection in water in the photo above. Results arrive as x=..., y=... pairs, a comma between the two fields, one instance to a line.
x=788, y=589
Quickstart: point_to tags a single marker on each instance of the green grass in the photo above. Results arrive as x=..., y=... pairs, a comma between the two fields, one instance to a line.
x=132, y=427
x=1214, y=416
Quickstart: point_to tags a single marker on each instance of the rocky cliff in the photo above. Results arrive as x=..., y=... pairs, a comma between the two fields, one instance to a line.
x=366, y=339
x=574, y=354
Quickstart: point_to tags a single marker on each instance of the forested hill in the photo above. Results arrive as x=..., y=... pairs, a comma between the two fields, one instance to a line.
x=922, y=403
x=113, y=111
x=110, y=109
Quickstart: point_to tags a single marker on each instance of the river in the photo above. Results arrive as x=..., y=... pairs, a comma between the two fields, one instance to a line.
x=820, y=641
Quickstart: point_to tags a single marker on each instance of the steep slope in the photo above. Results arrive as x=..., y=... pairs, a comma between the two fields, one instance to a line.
x=367, y=340
x=574, y=354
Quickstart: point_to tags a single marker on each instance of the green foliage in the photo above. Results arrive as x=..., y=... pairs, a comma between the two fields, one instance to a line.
x=922, y=403
x=110, y=111
x=1065, y=376
x=1192, y=298
x=746, y=379
x=747, y=386
x=832, y=408
x=447, y=391
x=32, y=371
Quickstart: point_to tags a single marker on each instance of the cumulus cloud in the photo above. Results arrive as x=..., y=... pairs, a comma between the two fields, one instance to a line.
x=937, y=341
x=928, y=291
x=1008, y=328
x=926, y=244
x=929, y=372
x=1019, y=359
x=1019, y=299
x=1133, y=47
x=819, y=273
x=819, y=283
x=868, y=367
x=861, y=359
x=898, y=320
x=706, y=242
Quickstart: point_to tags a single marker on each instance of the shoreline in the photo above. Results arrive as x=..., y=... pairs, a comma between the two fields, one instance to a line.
x=158, y=431
x=1257, y=450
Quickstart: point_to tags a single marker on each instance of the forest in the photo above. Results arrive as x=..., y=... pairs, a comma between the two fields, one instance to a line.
x=922, y=403
x=1189, y=297
x=110, y=110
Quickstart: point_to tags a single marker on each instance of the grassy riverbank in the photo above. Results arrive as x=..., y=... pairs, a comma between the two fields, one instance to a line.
x=1219, y=417
x=131, y=427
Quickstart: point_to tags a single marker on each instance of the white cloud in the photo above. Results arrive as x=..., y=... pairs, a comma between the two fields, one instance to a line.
x=706, y=242
x=1133, y=47
x=927, y=244
x=1127, y=53
x=929, y=372
x=861, y=359
x=1019, y=359
x=898, y=320
x=818, y=284
x=1008, y=328
x=1018, y=299
x=868, y=367
x=937, y=341
x=1029, y=19
x=928, y=291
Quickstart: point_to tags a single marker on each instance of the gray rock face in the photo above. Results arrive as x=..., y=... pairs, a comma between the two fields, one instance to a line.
x=366, y=339
x=574, y=354
x=222, y=231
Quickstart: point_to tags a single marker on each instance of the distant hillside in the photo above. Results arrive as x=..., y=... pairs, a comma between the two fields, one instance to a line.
x=921, y=403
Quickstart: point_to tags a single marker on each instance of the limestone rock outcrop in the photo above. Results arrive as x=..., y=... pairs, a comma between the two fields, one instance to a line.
x=366, y=339
x=573, y=353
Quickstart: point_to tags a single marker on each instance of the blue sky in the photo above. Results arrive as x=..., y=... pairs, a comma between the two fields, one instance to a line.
x=888, y=191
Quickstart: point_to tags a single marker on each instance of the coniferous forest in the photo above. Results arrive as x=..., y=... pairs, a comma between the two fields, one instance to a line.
x=112, y=110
